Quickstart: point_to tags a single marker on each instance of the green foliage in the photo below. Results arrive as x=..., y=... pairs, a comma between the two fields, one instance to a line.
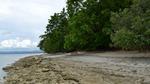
x=131, y=26
x=73, y=6
x=95, y=24
x=53, y=39
x=124, y=39
x=89, y=24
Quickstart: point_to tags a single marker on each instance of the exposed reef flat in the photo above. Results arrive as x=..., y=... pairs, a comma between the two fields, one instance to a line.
x=66, y=69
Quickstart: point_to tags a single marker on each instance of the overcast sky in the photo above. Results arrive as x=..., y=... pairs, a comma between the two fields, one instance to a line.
x=23, y=21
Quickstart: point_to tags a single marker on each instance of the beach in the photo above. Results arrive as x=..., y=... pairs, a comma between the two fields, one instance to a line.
x=7, y=59
x=80, y=68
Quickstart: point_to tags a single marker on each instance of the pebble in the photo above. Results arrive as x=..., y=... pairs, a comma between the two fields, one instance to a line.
x=45, y=70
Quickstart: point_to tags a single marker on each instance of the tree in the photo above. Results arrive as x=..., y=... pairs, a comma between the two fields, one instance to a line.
x=73, y=6
x=131, y=26
x=89, y=23
x=85, y=25
x=53, y=39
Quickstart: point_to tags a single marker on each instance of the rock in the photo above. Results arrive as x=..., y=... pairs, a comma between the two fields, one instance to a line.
x=8, y=68
x=38, y=70
x=146, y=81
x=44, y=62
x=134, y=71
x=45, y=70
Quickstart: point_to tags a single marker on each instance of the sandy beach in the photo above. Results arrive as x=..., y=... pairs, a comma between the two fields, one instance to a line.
x=81, y=68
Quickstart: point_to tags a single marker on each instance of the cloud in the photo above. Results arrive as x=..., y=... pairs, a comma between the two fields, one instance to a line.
x=30, y=9
x=25, y=19
x=5, y=8
x=18, y=43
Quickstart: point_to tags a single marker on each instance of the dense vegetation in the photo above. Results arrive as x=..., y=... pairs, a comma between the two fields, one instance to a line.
x=131, y=27
x=99, y=24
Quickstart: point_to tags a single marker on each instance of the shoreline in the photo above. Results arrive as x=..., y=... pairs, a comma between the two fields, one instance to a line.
x=66, y=68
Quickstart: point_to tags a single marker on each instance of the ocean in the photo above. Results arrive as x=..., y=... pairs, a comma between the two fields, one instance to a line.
x=7, y=59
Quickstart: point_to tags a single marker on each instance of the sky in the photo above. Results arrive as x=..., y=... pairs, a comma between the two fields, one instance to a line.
x=23, y=21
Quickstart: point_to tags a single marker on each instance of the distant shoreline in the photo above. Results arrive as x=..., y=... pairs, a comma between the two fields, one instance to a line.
x=19, y=52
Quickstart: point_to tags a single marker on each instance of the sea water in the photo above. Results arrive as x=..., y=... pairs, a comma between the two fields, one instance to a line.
x=8, y=59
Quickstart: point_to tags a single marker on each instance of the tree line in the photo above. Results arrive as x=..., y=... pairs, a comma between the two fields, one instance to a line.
x=98, y=24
